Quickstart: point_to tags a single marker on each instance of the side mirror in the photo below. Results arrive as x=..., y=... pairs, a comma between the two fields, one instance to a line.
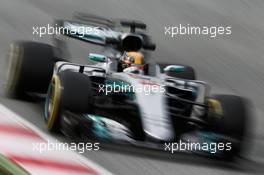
x=174, y=68
x=97, y=57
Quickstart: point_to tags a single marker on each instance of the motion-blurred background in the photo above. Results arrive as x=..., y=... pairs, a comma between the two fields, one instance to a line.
x=232, y=64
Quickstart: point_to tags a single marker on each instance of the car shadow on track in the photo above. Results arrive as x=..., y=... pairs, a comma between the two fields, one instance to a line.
x=240, y=164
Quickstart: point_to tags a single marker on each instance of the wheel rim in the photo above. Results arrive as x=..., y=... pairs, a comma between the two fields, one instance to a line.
x=49, y=101
x=52, y=102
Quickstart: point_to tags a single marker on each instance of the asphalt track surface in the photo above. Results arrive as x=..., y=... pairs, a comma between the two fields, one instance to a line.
x=231, y=64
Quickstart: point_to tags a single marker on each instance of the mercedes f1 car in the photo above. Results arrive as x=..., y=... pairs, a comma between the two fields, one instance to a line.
x=161, y=105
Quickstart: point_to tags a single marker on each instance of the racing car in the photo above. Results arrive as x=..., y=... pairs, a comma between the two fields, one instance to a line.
x=151, y=105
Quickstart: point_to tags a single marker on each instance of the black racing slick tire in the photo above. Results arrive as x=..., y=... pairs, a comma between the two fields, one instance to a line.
x=232, y=120
x=71, y=91
x=188, y=73
x=30, y=68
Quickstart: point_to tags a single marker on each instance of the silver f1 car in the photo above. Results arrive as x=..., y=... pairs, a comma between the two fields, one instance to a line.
x=161, y=105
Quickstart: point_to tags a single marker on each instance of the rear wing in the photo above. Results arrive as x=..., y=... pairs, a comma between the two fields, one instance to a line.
x=101, y=31
x=85, y=32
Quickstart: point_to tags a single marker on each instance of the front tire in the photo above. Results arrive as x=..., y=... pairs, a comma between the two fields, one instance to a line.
x=232, y=120
x=71, y=91
x=30, y=68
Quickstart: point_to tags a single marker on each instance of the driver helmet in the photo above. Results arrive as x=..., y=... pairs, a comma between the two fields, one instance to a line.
x=131, y=59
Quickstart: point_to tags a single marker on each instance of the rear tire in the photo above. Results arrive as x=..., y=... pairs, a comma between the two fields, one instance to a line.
x=30, y=68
